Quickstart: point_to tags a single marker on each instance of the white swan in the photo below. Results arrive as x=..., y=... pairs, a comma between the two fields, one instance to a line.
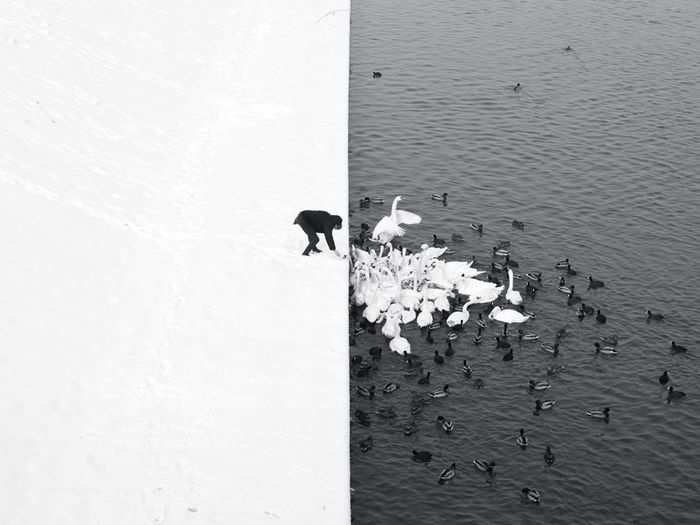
x=389, y=226
x=507, y=315
x=512, y=296
x=458, y=318
x=400, y=344
x=391, y=327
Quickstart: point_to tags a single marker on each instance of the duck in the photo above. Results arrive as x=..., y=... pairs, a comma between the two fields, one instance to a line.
x=519, y=225
x=609, y=339
x=438, y=394
x=477, y=227
x=594, y=283
x=573, y=298
x=600, y=318
x=484, y=466
x=377, y=200
x=438, y=242
x=539, y=385
x=449, y=351
x=513, y=296
x=534, y=276
x=606, y=350
x=570, y=270
x=376, y=74
x=356, y=359
x=478, y=338
x=366, y=392
x=466, y=369
x=376, y=352
x=439, y=197
x=531, y=495
x=563, y=264
x=522, y=336
x=664, y=378
x=499, y=252
x=508, y=355
x=599, y=414
x=362, y=417
x=678, y=349
x=456, y=237
x=552, y=349
x=448, y=473
x=365, y=202
x=390, y=387
x=434, y=326
x=654, y=316
x=481, y=323
x=564, y=289
x=445, y=424
x=479, y=383
x=366, y=444
x=587, y=309
x=674, y=394
x=554, y=370
x=522, y=440
x=438, y=358
x=549, y=456
x=547, y=404
x=424, y=380
x=502, y=342
x=451, y=336
x=358, y=331
x=422, y=456
x=429, y=337
x=410, y=429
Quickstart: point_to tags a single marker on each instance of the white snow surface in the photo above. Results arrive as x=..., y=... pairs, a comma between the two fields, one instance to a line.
x=166, y=354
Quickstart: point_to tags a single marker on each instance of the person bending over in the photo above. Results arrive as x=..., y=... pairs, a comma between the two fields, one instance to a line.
x=316, y=221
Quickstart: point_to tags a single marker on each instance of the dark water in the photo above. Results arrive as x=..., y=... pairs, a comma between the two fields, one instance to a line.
x=599, y=155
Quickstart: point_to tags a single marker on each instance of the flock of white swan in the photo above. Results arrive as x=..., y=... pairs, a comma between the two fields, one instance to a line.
x=396, y=287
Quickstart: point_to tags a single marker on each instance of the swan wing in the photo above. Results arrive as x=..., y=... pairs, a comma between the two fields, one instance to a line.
x=407, y=217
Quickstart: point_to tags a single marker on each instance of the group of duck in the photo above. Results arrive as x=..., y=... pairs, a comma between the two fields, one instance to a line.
x=392, y=286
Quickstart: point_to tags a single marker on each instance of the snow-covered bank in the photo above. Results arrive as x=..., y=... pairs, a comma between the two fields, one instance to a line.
x=166, y=354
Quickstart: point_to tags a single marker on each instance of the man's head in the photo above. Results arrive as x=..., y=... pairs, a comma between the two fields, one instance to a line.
x=337, y=222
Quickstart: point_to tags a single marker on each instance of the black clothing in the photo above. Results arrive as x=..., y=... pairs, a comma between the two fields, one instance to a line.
x=316, y=221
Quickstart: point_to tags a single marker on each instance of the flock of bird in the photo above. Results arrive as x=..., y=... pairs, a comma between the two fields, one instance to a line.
x=391, y=287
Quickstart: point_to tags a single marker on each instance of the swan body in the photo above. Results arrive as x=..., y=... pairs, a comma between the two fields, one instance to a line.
x=512, y=296
x=507, y=315
x=399, y=344
x=390, y=226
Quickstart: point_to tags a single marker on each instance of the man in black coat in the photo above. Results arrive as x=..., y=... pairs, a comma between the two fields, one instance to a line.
x=313, y=222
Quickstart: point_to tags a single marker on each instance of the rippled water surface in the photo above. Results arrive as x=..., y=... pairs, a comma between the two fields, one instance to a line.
x=599, y=155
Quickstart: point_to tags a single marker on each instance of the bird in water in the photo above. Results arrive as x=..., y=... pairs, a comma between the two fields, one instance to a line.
x=422, y=456
x=594, y=283
x=600, y=318
x=449, y=351
x=448, y=474
x=678, y=349
x=664, y=378
x=508, y=355
x=429, y=337
x=366, y=444
x=651, y=316
x=424, y=380
x=484, y=466
x=549, y=456
x=366, y=392
x=437, y=394
x=466, y=369
x=438, y=358
x=376, y=74
x=674, y=394
x=531, y=495
x=518, y=225
x=445, y=424
x=568, y=48
x=517, y=87
x=599, y=414
x=522, y=440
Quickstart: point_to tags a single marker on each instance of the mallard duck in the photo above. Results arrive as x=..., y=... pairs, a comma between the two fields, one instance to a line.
x=466, y=369
x=531, y=495
x=522, y=440
x=448, y=474
x=664, y=378
x=508, y=356
x=434, y=326
x=451, y=336
x=606, y=350
x=477, y=227
x=499, y=252
x=654, y=316
x=600, y=318
x=563, y=264
x=422, y=456
x=362, y=417
x=539, y=385
x=445, y=424
x=549, y=456
x=674, y=394
x=366, y=392
x=376, y=74
x=677, y=349
x=449, y=351
x=522, y=336
x=552, y=349
x=437, y=394
x=599, y=414
x=366, y=444
x=484, y=466
x=438, y=358
x=595, y=283
x=534, y=276
x=390, y=387
x=376, y=352
x=358, y=331
x=547, y=404
x=424, y=380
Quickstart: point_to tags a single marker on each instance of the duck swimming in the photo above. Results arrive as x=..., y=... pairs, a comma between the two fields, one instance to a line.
x=437, y=394
x=424, y=380
x=563, y=264
x=519, y=225
x=600, y=318
x=594, y=283
x=466, y=369
x=502, y=342
x=422, y=456
x=438, y=358
x=573, y=298
x=674, y=394
x=534, y=276
x=539, y=385
x=547, y=404
x=531, y=495
x=448, y=474
x=366, y=444
x=477, y=227
x=552, y=349
x=549, y=456
x=446, y=425
x=508, y=355
x=664, y=378
x=599, y=414
x=438, y=242
x=522, y=440
x=484, y=466
x=450, y=351
x=366, y=392
x=654, y=316
x=376, y=74
x=390, y=387
x=678, y=349
x=570, y=270
x=586, y=309
x=527, y=337
x=607, y=350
